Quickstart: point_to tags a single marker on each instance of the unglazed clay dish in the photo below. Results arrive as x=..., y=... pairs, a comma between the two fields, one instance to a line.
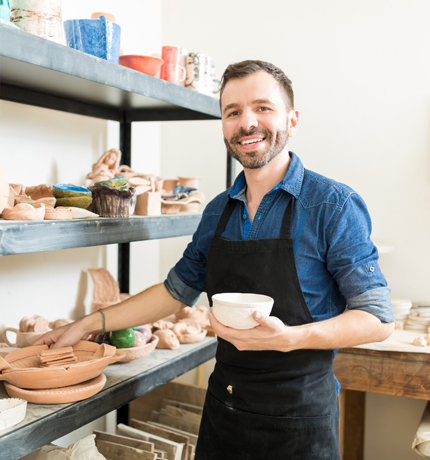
x=23, y=369
x=133, y=353
x=62, y=395
x=12, y=411
x=234, y=309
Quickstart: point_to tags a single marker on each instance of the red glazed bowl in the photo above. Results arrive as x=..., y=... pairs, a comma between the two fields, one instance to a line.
x=146, y=64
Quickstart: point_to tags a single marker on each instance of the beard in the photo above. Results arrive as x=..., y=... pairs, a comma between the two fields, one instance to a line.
x=255, y=159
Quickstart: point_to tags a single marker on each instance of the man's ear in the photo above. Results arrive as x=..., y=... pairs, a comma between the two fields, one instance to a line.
x=293, y=118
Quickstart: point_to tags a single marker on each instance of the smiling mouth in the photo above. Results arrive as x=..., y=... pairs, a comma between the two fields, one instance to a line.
x=251, y=141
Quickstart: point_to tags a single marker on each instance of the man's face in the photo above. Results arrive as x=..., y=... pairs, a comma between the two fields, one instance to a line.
x=255, y=119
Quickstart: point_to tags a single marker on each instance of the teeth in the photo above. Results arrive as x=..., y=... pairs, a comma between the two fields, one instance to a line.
x=251, y=141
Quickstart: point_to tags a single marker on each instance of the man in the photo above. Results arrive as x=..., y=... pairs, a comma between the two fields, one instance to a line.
x=282, y=231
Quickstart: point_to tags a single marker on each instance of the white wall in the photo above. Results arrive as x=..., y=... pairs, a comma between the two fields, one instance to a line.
x=361, y=73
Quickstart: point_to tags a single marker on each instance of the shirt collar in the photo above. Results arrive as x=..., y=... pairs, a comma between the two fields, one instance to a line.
x=291, y=183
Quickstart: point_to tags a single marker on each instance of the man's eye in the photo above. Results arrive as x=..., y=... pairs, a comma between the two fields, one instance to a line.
x=233, y=114
x=263, y=109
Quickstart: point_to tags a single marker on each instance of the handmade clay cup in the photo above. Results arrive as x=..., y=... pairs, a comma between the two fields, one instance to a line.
x=235, y=310
x=171, y=70
x=21, y=337
x=98, y=37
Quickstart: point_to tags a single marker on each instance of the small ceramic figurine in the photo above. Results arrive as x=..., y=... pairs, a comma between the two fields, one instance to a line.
x=106, y=167
x=188, y=331
x=197, y=313
x=167, y=339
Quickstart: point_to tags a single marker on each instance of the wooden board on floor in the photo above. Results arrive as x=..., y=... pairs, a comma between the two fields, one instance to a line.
x=114, y=451
x=124, y=440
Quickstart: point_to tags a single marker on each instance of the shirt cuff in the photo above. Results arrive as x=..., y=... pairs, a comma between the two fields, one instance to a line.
x=376, y=301
x=179, y=290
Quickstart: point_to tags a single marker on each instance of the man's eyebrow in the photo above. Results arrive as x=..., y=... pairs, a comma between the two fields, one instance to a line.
x=233, y=105
x=262, y=101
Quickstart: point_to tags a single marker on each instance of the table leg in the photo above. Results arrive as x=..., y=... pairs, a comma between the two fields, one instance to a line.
x=351, y=424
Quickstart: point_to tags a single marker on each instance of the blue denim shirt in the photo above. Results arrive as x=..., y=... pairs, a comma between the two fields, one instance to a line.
x=337, y=263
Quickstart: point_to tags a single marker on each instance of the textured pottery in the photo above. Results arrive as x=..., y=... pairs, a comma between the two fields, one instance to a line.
x=25, y=211
x=106, y=167
x=131, y=354
x=37, y=192
x=39, y=17
x=72, y=196
x=5, y=14
x=98, y=37
x=167, y=339
x=59, y=213
x=4, y=192
x=35, y=323
x=189, y=331
x=236, y=309
x=27, y=372
x=110, y=202
x=12, y=411
x=172, y=70
x=173, y=207
x=62, y=395
x=105, y=290
x=199, y=314
x=145, y=64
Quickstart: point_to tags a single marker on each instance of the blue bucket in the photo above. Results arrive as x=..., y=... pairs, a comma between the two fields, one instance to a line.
x=98, y=37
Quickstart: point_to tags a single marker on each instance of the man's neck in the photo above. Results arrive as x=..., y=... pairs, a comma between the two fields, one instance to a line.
x=260, y=181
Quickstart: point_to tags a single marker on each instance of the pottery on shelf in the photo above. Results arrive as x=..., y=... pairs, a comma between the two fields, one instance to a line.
x=167, y=339
x=111, y=202
x=189, y=331
x=39, y=17
x=169, y=206
x=146, y=64
x=60, y=395
x=105, y=167
x=105, y=290
x=148, y=204
x=108, y=16
x=79, y=213
x=35, y=323
x=234, y=309
x=23, y=339
x=98, y=37
x=199, y=314
x=133, y=353
x=25, y=211
x=59, y=213
x=5, y=14
x=189, y=181
x=23, y=369
x=68, y=195
x=12, y=412
x=4, y=192
x=37, y=192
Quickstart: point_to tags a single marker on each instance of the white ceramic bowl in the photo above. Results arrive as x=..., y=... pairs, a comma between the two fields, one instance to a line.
x=234, y=309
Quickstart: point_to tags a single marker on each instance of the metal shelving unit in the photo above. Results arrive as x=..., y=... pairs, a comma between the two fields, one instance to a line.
x=38, y=72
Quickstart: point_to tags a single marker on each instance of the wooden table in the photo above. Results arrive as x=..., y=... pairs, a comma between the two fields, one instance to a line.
x=386, y=372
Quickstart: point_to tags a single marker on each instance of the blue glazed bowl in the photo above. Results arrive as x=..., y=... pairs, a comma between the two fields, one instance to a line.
x=98, y=37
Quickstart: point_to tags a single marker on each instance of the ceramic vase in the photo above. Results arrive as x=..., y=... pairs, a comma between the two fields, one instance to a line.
x=98, y=37
x=5, y=14
x=39, y=17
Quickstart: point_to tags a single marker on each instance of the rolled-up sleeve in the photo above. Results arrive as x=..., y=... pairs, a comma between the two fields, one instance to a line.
x=179, y=290
x=376, y=301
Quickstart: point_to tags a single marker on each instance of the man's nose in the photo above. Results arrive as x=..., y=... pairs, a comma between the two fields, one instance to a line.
x=248, y=120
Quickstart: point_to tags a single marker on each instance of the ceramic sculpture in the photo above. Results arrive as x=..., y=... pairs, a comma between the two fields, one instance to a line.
x=106, y=166
x=106, y=289
x=167, y=339
x=4, y=192
x=37, y=192
x=34, y=324
x=22, y=368
x=59, y=213
x=188, y=331
x=199, y=314
x=39, y=17
x=25, y=211
x=110, y=201
x=98, y=37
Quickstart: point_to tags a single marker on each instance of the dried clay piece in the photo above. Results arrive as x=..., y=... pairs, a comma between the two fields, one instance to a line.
x=106, y=289
x=167, y=339
x=59, y=213
x=420, y=342
x=4, y=192
x=37, y=192
x=59, y=323
x=34, y=324
x=25, y=211
x=196, y=313
x=162, y=324
x=188, y=331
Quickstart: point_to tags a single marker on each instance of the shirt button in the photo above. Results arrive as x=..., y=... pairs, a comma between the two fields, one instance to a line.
x=230, y=389
x=244, y=216
x=372, y=268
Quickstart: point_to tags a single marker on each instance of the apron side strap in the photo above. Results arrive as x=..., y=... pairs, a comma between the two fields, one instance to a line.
x=225, y=216
x=286, y=220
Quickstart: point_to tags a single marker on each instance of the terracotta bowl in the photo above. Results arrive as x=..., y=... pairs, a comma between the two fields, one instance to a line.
x=63, y=395
x=22, y=367
x=145, y=64
x=133, y=353
x=235, y=309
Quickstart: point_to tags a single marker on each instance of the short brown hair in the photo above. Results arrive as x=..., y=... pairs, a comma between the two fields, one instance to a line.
x=246, y=68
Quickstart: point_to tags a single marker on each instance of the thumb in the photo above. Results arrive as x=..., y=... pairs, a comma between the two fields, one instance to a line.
x=261, y=319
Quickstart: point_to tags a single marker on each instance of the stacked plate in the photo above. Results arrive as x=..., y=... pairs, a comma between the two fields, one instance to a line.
x=401, y=308
x=419, y=317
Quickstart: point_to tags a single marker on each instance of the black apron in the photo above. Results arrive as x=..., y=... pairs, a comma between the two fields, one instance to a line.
x=266, y=404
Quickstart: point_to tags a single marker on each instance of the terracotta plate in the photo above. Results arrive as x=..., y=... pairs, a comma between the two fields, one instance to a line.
x=58, y=395
x=131, y=354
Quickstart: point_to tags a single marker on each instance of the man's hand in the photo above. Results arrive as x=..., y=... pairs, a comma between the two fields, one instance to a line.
x=64, y=336
x=269, y=335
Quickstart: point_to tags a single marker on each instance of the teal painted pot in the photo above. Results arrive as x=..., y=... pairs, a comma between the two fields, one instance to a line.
x=5, y=14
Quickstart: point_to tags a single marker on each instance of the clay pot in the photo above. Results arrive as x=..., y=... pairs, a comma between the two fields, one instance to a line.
x=25, y=211
x=39, y=17
x=22, y=338
x=189, y=181
x=27, y=372
x=169, y=184
x=145, y=64
x=131, y=354
x=59, y=395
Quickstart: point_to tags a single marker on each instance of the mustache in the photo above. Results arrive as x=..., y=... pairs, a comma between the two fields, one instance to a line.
x=242, y=133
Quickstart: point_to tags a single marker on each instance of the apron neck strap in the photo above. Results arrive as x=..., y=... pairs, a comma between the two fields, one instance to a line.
x=231, y=204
